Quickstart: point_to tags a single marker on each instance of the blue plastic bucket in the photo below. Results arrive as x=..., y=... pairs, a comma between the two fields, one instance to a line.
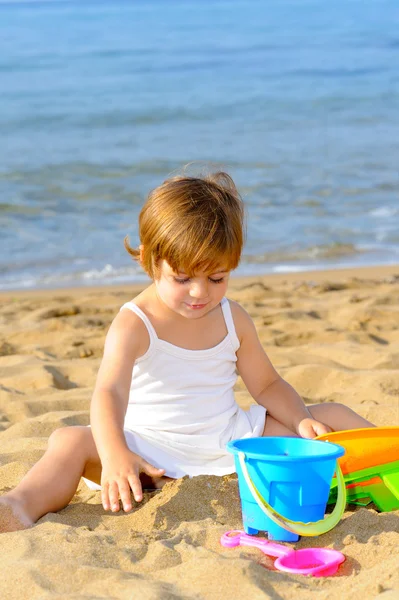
x=293, y=475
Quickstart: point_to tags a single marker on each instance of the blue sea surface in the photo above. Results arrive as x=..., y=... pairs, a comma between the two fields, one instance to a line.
x=100, y=101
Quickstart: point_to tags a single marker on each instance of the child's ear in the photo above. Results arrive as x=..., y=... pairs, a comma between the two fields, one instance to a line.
x=141, y=249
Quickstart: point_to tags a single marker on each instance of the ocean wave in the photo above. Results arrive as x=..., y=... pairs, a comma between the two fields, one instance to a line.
x=106, y=275
x=384, y=212
x=312, y=253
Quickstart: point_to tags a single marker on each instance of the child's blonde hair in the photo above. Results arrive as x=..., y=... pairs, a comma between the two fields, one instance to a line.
x=196, y=224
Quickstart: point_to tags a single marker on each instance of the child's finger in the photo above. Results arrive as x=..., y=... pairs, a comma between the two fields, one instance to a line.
x=114, y=496
x=135, y=485
x=151, y=470
x=105, y=496
x=124, y=493
x=321, y=428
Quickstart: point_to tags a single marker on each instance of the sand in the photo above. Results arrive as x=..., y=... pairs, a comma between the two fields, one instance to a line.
x=333, y=335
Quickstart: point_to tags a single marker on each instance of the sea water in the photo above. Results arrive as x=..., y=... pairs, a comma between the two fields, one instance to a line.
x=101, y=101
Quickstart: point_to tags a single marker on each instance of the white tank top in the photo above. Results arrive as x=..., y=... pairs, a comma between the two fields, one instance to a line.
x=182, y=401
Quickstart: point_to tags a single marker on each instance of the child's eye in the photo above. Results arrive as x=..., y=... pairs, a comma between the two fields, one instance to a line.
x=183, y=280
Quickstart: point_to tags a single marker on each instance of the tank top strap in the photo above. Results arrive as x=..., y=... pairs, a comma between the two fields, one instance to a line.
x=228, y=317
x=134, y=308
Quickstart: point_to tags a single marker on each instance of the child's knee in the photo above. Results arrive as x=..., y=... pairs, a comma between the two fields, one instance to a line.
x=68, y=438
x=334, y=407
x=329, y=412
x=340, y=410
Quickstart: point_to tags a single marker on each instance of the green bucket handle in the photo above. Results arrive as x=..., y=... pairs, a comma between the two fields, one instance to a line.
x=298, y=527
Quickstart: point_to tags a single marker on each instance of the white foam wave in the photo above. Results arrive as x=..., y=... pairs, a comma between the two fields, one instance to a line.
x=384, y=212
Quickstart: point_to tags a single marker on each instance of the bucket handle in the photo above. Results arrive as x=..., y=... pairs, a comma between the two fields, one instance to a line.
x=298, y=527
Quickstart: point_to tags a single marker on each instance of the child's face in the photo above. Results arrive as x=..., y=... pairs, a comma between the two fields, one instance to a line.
x=191, y=297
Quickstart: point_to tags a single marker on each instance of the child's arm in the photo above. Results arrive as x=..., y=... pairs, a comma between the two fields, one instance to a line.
x=266, y=386
x=127, y=338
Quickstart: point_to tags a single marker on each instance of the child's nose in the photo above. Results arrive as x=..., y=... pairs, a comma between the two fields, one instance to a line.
x=199, y=289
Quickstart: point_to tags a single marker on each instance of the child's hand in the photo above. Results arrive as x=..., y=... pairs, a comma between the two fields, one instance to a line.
x=120, y=476
x=310, y=428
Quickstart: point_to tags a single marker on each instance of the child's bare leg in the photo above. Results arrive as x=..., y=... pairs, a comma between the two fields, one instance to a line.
x=53, y=480
x=336, y=416
x=274, y=428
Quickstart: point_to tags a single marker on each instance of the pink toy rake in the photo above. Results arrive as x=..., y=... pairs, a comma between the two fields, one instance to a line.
x=319, y=562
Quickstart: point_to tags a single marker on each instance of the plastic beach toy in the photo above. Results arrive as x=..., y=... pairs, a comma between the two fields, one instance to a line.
x=365, y=448
x=319, y=562
x=370, y=466
x=284, y=485
x=363, y=487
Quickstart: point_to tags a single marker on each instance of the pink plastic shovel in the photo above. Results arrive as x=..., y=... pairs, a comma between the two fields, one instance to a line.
x=319, y=562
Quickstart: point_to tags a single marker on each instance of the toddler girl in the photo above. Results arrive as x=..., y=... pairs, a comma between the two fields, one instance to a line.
x=163, y=405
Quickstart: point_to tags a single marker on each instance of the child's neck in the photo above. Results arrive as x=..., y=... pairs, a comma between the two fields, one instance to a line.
x=193, y=334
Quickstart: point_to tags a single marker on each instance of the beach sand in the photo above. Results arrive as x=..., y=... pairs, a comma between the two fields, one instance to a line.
x=333, y=335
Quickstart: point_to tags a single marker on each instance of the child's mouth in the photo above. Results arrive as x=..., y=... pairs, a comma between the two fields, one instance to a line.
x=196, y=306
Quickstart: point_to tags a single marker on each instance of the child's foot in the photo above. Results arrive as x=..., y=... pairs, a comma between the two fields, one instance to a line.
x=12, y=516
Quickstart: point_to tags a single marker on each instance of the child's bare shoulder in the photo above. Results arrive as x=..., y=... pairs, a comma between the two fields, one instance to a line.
x=128, y=331
x=242, y=320
x=237, y=310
